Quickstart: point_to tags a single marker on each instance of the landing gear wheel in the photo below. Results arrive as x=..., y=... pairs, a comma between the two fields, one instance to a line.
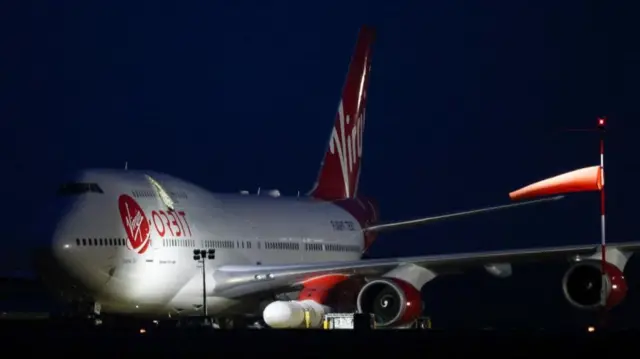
x=194, y=322
x=235, y=322
x=225, y=323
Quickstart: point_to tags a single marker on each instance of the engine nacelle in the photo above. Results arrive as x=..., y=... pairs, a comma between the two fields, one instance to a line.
x=290, y=314
x=392, y=301
x=582, y=285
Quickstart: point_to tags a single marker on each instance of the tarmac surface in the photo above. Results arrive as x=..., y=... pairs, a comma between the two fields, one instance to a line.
x=41, y=336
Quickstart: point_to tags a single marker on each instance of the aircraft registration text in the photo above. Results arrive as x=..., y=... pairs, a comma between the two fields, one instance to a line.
x=343, y=225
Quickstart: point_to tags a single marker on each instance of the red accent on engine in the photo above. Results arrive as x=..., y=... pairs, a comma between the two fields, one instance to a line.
x=414, y=302
x=618, y=284
x=317, y=289
x=582, y=285
x=337, y=291
x=393, y=301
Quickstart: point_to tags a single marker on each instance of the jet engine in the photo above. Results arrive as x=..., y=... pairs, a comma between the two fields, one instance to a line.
x=392, y=301
x=583, y=285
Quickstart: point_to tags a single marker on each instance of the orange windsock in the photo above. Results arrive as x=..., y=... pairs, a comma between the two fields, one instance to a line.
x=582, y=180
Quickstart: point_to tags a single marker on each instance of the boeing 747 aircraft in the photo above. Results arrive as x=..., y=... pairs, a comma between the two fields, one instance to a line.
x=125, y=239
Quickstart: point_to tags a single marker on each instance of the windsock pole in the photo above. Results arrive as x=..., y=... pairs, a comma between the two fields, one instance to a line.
x=603, y=243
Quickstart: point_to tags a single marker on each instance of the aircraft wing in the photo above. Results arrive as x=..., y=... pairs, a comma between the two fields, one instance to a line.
x=237, y=281
x=428, y=220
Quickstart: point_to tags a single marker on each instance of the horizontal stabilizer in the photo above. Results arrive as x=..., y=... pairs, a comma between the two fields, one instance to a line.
x=427, y=220
x=582, y=180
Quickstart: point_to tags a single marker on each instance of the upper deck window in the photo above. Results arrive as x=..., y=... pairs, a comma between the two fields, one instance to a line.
x=76, y=188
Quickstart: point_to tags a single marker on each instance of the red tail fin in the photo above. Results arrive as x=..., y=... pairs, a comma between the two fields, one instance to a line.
x=340, y=169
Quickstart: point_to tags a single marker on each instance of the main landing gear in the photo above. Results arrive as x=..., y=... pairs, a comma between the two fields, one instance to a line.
x=240, y=322
x=224, y=323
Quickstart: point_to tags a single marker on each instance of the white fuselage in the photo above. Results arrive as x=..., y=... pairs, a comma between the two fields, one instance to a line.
x=134, y=262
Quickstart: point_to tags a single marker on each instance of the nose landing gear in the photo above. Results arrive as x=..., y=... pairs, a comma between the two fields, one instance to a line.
x=80, y=313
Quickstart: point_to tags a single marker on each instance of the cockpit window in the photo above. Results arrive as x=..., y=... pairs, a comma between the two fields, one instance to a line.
x=76, y=188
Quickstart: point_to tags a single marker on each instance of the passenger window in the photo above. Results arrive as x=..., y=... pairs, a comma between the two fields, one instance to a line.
x=84, y=241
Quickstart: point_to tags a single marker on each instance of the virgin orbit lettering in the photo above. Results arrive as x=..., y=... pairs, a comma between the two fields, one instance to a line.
x=125, y=243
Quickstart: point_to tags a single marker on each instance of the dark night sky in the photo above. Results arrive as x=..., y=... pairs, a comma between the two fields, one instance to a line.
x=465, y=103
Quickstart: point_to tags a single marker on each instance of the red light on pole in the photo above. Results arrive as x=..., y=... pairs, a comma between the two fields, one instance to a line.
x=601, y=122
